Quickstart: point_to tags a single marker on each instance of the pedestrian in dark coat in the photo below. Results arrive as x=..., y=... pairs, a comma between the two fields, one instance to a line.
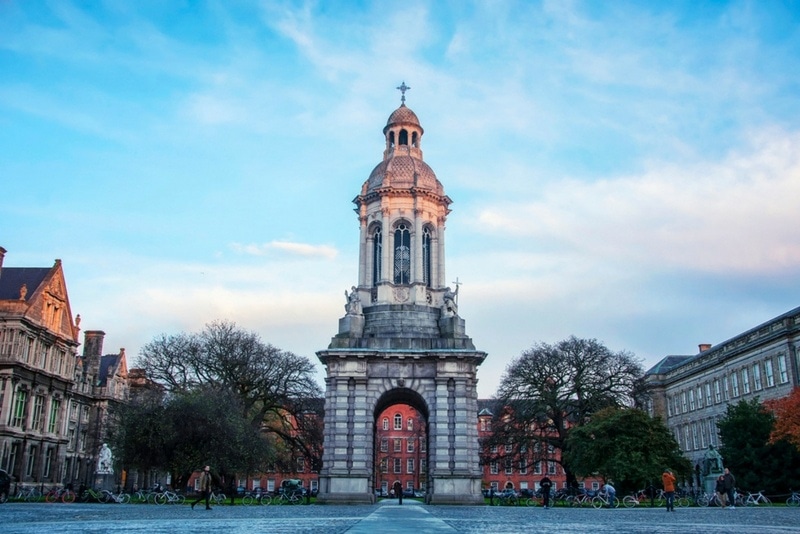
x=205, y=487
x=546, y=484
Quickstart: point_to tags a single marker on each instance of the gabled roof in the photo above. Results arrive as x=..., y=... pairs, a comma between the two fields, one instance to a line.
x=12, y=279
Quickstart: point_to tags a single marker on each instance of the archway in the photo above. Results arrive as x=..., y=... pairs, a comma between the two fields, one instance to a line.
x=401, y=444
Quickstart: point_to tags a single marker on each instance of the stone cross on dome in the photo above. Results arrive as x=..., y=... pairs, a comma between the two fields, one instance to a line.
x=403, y=88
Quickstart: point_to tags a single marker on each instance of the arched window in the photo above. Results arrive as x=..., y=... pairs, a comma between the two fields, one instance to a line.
x=414, y=139
x=426, y=256
x=391, y=139
x=398, y=421
x=377, y=250
x=403, y=138
x=410, y=424
x=386, y=423
x=402, y=255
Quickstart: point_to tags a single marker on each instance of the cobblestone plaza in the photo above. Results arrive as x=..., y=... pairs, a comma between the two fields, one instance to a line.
x=387, y=517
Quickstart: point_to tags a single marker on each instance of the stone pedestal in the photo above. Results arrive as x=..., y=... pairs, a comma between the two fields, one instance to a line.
x=351, y=326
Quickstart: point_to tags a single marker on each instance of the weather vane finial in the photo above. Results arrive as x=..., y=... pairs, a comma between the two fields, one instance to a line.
x=403, y=88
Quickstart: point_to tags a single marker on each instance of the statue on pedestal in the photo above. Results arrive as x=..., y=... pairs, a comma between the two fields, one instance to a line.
x=105, y=461
x=353, y=304
x=712, y=462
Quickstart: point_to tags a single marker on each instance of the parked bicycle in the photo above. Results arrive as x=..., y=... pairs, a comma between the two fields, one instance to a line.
x=28, y=494
x=507, y=498
x=708, y=499
x=582, y=498
x=92, y=495
x=217, y=497
x=120, y=498
x=258, y=497
x=64, y=495
x=604, y=500
x=288, y=497
x=757, y=499
x=794, y=499
x=169, y=497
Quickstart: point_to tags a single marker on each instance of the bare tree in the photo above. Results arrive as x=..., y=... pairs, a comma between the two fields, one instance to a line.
x=275, y=389
x=550, y=389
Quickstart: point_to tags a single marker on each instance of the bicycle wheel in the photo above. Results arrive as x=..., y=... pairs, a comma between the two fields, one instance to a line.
x=68, y=497
x=629, y=501
x=531, y=502
x=220, y=498
x=265, y=499
x=794, y=500
x=51, y=497
x=683, y=502
x=765, y=501
x=248, y=500
x=124, y=498
x=160, y=499
x=597, y=502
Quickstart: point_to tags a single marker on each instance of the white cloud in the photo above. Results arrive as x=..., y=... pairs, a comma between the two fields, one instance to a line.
x=734, y=215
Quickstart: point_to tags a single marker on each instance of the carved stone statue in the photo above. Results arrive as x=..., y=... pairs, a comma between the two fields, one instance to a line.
x=450, y=306
x=712, y=461
x=105, y=461
x=353, y=304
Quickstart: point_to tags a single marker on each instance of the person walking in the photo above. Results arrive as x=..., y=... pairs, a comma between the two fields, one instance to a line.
x=668, y=479
x=545, y=484
x=720, y=489
x=729, y=486
x=205, y=487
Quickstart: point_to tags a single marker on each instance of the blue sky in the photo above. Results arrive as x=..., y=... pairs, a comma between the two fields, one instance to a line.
x=626, y=171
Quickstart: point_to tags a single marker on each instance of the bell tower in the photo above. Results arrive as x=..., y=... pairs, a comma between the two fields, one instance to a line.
x=401, y=339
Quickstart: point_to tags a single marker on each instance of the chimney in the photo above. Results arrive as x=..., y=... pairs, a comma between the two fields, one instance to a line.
x=93, y=350
x=704, y=346
x=2, y=255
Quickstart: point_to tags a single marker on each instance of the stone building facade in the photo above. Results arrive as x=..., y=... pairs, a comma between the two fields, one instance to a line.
x=402, y=340
x=53, y=400
x=692, y=392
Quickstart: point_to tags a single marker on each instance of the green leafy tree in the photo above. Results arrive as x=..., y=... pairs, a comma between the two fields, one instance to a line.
x=757, y=465
x=550, y=390
x=627, y=446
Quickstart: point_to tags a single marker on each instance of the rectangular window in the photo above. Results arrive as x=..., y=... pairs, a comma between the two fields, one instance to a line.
x=55, y=408
x=20, y=405
x=48, y=462
x=493, y=469
x=384, y=465
x=669, y=406
x=717, y=392
x=684, y=404
x=725, y=393
x=271, y=485
x=735, y=383
x=397, y=466
x=384, y=444
x=398, y=445
x=783, y=373
x=410, y=424
x=745, y=381
x=687, y=444
x=410, y=445
x=551, y=468
x=37, y=422
x=695, y=441
x=699, y=397
x=398, y=422
x=702, y=434
x=423, y=465
x=757, y=377
x=691, y=400
x=483, y=425
x=769, y=373
x=423, y=446
x=301, y=464
x=509, y=466
x=409, y=465
x=709, y=398
x=31, y=466
x=537, y=468
x=523, y=467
